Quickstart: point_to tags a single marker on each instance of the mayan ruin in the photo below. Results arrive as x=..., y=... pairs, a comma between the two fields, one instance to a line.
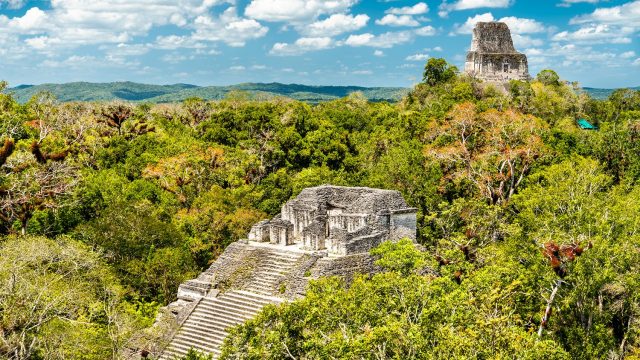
x=324, y=231
x=493, y=57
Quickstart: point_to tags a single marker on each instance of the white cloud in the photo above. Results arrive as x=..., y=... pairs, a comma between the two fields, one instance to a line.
x=363, y=72
x=33, y=22
x=175, y=58
x=228, y=28
x=628, y=54
x=384, y=41
x=335, y=25
x=12, y=4
x=516, y=25
x=417, y=9
x=417, y=57
x=295, y=11
x=73, y=23
x=567, y=3
x=601, y=33
x=524, y=41
x=573, y=55
x=237, y=68
x=302, y=46
x=172, y=42
x=636, y=62
x=468, y=26
x=445, y=8
x=623, y=15
x=74, y=61
x=522, y=25
x=378, y=53
x=397, y=20
x=388, y=39
x=426, y=31
x=259, y=67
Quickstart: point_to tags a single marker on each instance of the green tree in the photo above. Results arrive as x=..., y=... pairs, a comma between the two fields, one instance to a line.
x=548, y=77
x=59, y=300
x=438, y=71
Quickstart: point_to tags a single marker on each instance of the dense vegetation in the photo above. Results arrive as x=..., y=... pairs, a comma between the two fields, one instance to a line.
x=529, y=223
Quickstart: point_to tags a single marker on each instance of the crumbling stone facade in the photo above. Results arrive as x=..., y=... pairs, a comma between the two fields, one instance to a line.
x=340, y=220
x=493, y=57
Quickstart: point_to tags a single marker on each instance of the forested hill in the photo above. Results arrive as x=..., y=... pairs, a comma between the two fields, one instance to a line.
x=130, y=91
x=602, y=94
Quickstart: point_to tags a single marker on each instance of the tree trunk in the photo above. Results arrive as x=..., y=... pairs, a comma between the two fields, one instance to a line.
x=547, y=311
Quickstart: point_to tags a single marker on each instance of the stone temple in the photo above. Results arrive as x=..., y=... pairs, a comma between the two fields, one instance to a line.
x=493, y=57
x=325, y=231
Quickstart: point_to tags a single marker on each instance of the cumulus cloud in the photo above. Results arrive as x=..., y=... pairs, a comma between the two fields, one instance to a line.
x=628, y=54
x=378, y=53
x=523, y=41
x=445, y=7
x=397, y=20
x=12, y=4
x=567, y=3
x=417, y=57
x=302, y=46
x=471, y=22
x=336, y=24
x=601, y=33
x=295, y=11
x=73, y=23
x=228, y=28
x=426, y=31
x=386, y=40
x=572, y=55
x=417, y=9
x=516, y=25
x=522, y=25
x=623, y=15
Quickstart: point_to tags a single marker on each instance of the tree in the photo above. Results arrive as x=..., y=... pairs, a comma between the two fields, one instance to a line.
x=438, y=71
x=548, y=77
x=396, y=314
x=33, y=183
x=493, y=150
x=57, y=300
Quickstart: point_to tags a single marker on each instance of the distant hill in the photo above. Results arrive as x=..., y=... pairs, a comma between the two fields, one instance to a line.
x=130, y=91
x=601, y=94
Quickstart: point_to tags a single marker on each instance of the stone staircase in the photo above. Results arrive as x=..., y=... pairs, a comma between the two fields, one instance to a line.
x=270, y=271
x=206, y=327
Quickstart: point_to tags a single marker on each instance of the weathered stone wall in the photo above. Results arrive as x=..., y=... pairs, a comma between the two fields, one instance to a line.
x=493, y=57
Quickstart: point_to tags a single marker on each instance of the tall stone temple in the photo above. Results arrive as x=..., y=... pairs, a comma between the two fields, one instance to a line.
x=324, y=231
x=493, y=57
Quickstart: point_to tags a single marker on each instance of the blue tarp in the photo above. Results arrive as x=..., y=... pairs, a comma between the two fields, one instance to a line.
x=585, y=125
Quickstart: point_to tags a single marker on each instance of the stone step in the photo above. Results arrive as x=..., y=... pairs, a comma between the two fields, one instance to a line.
x=228, y=312
x=180, y=349
x=201, y=334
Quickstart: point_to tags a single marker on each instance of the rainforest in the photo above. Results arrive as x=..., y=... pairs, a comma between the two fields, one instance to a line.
x=528, y=226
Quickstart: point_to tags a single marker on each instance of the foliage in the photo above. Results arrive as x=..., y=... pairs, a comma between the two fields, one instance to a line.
x=438, y=71
x=59, y=300
x=526, y=223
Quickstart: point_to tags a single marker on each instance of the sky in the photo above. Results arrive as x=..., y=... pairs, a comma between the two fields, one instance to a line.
x=313, y=42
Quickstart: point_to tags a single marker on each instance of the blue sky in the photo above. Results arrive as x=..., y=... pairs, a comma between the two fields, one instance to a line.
x=317, y=42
